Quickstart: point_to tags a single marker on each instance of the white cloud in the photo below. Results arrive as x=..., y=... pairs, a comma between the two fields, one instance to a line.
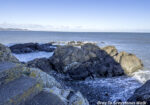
x=37, y=27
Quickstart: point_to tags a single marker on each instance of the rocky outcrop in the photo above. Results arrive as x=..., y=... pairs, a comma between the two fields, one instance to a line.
x=91, y=61
x=129, y=62
x=31, y=47
x=41, y=63
x=142, y=94
x=5, y=55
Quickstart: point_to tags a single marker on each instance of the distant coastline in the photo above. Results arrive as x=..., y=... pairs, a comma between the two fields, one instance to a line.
x=13, y=29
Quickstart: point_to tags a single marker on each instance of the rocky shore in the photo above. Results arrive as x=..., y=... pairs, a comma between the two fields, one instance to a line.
x=56, y=79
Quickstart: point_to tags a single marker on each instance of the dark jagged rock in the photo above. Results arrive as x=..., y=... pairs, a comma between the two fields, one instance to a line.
x=65, y=55
x=23, y=48
x=41, y=63
x=5, y=55
x=31, y=47
x=141, y=94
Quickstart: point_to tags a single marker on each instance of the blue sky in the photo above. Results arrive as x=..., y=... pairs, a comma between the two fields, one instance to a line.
x=76, y=15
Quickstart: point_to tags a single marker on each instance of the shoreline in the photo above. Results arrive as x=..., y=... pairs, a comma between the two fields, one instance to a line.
x=95, y=86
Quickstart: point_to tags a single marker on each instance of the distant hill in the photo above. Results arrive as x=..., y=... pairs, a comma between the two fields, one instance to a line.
x=13, y=29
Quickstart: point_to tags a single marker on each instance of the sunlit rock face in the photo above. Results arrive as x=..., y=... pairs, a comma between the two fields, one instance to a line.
x=129, y=62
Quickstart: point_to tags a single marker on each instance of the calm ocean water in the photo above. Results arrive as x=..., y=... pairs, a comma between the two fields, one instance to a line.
x=137, y=43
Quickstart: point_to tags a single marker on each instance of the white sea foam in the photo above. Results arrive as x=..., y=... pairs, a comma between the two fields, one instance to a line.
x=142, y=75
x=30, y=56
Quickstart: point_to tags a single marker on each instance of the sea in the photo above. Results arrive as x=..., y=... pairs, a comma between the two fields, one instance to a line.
x=122, y=87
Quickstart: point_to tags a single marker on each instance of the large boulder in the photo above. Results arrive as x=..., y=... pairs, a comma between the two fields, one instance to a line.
x=129, y=62
x=142, y=94
x=5, y=55
x=41, y=63
x=65, y=55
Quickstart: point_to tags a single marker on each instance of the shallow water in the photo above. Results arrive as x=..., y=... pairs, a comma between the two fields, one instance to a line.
x=30, y=56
